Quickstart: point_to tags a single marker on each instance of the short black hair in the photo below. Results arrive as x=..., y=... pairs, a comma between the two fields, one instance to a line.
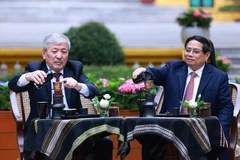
x=201, y=39
x=207, y=47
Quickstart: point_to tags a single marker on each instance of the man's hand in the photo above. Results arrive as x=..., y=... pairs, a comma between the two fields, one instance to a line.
x=71, y=83
x=137, y=72
x=37, y=76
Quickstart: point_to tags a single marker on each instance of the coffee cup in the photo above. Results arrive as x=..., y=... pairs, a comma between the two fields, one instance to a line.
x=42, y=108
x=84, y=110
x=113, y=111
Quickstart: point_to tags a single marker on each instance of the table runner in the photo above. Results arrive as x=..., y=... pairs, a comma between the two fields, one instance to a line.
x=190, y=136
x=59, y=138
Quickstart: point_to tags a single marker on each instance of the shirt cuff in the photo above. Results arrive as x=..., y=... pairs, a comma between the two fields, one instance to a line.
x=84, y=91
x=22, y=80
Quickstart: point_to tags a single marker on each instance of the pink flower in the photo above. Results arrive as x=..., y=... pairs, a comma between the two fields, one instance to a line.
x=224, y=59
x=197, y=14
x=104, y=82
x=130, y=87
x=205, y=14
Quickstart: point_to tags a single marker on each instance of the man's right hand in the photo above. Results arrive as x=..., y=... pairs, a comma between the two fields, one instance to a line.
x=137, y=72
x=37, y=76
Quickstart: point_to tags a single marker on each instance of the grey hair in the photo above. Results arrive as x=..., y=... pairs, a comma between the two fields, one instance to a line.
x=55, y=38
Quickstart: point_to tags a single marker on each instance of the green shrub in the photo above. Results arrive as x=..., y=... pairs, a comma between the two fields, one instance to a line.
x=93, y=44
x=230, y=8
x=234, y=7
x=4, y=98
x=109, y=72
x=108, y=79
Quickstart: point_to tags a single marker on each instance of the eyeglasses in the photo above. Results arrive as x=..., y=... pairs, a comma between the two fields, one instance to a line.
x=195, y=51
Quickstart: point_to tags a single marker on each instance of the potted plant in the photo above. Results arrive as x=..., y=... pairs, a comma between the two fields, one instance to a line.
x=194, y=22
x=125, y=92
x=223, y=63
x=4, y=98
x=8, y=125
x=102, y=105
x=193, y=106
x=147, y=1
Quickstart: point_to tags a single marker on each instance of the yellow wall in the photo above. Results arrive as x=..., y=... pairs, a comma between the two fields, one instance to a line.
x=172, y=2
x=218, y=16
x=142, y=55
x=186, y=3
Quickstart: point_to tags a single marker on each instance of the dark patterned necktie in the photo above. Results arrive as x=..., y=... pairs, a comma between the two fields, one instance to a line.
x=57, y=76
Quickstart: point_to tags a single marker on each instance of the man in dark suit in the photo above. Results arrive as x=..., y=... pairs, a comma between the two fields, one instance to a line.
x=55, y=54
x=210, y=82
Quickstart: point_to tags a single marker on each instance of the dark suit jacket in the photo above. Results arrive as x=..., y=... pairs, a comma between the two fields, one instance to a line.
x=72, y=69
x=213, y=87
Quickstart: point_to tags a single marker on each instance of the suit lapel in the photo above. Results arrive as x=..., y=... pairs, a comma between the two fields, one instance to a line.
x=182, y=76
x=48, y=85
x=67, y=73
x=206, y=76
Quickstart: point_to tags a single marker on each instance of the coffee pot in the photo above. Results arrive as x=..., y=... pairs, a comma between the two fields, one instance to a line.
x=146, y=106
x=58, y=105
x=149, y=105
x=47, y=79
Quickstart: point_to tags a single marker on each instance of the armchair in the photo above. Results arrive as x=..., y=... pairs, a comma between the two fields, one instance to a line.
x=233, y=144
x=159, y=99
x=234, y=149
x=20, y=104
x=20, y=109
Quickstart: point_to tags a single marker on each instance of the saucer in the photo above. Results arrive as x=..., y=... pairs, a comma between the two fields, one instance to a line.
x=79, y=116
x=70, y=116
x=172, y=115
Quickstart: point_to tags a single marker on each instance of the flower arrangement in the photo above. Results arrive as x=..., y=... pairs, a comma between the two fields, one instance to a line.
x=103, y=105
x=125, y=92
x=192, y=105
x=223, y=63
x=130, y=93
x=191, y=17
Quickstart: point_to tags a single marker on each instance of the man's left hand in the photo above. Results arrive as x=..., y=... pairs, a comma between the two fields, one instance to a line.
x=71, y=83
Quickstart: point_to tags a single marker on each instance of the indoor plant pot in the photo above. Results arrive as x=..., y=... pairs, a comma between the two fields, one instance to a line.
x=194, y=22
x=187, y=32
x=147, y=1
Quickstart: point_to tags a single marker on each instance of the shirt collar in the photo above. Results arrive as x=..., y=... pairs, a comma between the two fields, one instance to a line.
x=198, y=72
x=53, y=70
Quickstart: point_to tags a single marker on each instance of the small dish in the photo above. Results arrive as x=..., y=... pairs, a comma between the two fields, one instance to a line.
x=70, y=112
x=80, y=116
x=172, y=115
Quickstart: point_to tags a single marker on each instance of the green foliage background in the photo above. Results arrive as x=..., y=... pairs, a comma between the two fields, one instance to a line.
x=109, y=72
x=94, y=44
x=188, y=20
x=4, y=98
x=234, y=7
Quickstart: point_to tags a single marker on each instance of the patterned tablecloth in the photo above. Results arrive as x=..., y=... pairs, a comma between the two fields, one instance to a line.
x=59, y=138
x=192, y=137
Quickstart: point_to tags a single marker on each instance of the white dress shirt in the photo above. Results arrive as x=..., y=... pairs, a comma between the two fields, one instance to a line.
x=196, y=80
x=84, y=91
